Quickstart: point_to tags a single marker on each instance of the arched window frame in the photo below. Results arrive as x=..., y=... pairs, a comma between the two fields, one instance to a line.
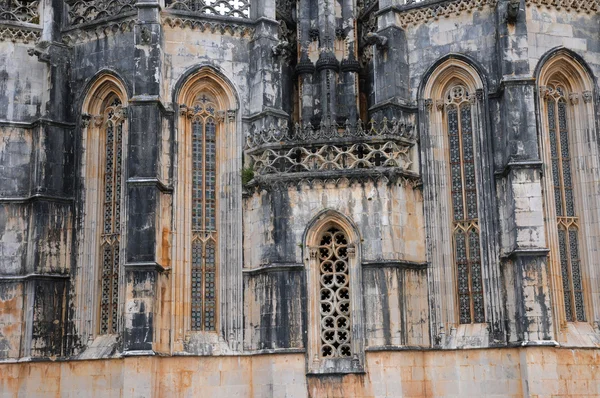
x=316, y=362
x=227, y=234
x=99, y=292
x=435, y=153
x=563, y=78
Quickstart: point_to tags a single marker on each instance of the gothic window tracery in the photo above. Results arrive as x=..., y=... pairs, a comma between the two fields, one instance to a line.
x=465, y=226
x=335, y=293
x=567, y=220
x=204, y=225
x=112, y=123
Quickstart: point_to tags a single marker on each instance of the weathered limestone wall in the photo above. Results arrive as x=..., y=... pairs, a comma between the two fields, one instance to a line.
x=516, y=372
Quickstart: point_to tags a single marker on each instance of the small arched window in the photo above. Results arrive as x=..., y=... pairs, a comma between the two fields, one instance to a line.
x=335, y=335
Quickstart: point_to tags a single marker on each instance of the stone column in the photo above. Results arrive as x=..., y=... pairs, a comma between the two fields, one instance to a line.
x=146, y=187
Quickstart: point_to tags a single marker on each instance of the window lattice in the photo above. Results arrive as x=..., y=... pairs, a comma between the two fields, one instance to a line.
x=467, y=252
x=567, y=220
x=111, y=232
x=334, y=301
x=204, y=232
x=229, y=8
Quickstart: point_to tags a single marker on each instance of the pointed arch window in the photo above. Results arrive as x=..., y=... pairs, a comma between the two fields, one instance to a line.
x=335, y=337
x=204, y=205
x=567, y=220
x=110, y=238
x=465, y=220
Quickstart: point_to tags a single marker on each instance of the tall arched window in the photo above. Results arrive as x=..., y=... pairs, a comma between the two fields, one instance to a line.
x=457, y=190
x=465, y=216
x=100, y=259
x=110, y=239
x=207, y=240
x=335, y=335
x=570, y=156
x=204, y=204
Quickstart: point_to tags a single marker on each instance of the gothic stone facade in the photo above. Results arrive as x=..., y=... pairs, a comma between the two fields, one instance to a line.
x=284, y=198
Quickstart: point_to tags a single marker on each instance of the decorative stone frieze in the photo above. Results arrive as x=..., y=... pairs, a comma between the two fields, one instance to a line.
x=20, y=11
x=228, y=8
x=328, y=130
x=87, y=11
x=435, y=11
x=16, y=34
x=568, y=5
x=209, y=26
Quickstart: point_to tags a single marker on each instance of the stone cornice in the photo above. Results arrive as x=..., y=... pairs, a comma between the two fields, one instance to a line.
x=588, y=6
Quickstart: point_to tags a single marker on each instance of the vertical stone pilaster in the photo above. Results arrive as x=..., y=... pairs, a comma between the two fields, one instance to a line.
x=145, y=188
x=523, y=229
x=50, y=200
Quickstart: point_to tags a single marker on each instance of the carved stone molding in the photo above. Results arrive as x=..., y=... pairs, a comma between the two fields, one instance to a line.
x=210, y=26
x=588, y=6
x=18, y=34
x=436, y=11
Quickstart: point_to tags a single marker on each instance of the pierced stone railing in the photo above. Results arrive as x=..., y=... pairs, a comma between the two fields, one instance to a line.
x=82, y=11
x=20, y=11
x=332, y=157
x=327, y=131
x=227, y=8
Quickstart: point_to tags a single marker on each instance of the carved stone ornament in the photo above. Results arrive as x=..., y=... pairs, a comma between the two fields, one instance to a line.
x=512, y=11
x=587, y=96
x=85, y=120
x=428, y=104
x=574, y=98
x=439, y=104
x=220, y=116
x=98, y=120
x=314, y=253
x=545, y=92
x=231, y=115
